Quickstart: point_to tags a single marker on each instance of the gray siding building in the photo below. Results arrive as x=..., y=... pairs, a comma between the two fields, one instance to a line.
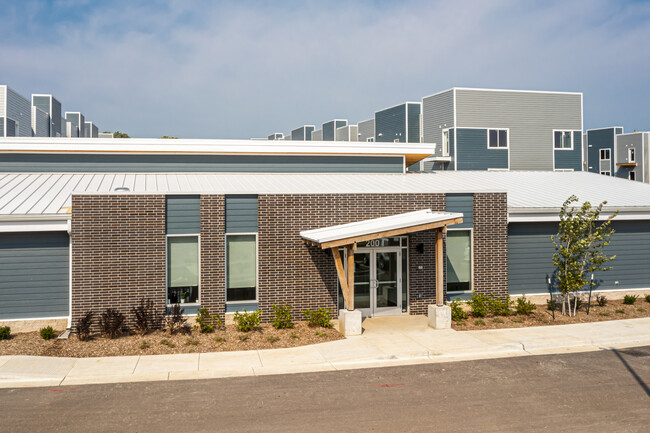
x=76, y=119
x=398, y=124
x=599, y=157
x=52, y=107
x=347, y=133
x=631, y=156
x=90, y=130
x=483, y=129
x=15, y=114
x=366, y=130
x=329, y=129
x=317, y=135
x=276, y=136
x=40, y=123
x=303, y=133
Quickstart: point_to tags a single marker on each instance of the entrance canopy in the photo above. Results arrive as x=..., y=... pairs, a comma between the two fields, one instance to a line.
x=394, y=225
x=347, y=236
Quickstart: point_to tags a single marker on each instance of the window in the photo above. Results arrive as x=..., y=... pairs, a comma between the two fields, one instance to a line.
x=241, y=268
x=182, y=269
x=632, y=175
x=606, y=173
x=630, y=155
x=604, y=154
x=371, y=139
x=459, y=260
x=497, y=138
x=445, y=142
x=563, y=140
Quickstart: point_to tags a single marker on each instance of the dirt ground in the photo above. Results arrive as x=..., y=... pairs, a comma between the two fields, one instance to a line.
x=159, y=342
x=614, y=310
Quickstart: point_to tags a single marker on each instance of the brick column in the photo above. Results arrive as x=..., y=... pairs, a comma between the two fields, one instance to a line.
x=213, y=253
x=491, y=243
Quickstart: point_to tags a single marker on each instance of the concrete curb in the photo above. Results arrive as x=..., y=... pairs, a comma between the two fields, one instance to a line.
x=414, y=345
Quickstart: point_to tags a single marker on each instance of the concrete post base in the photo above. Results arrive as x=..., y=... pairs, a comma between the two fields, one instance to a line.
x=440, y=317
x=350, y=322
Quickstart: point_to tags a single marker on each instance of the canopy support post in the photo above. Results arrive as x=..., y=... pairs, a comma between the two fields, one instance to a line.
x=440, y=234
x=340, y=272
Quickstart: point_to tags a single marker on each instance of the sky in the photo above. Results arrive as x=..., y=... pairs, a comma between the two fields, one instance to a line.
x=242, y=69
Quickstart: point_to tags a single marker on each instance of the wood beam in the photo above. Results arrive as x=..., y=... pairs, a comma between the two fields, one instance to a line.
x=350, y=270
x=390, y=233
x=440, y=266
x=340, y=272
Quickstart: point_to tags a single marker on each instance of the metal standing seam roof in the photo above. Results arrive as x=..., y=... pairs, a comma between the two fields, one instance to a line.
x=49, y=193
x=376, y=225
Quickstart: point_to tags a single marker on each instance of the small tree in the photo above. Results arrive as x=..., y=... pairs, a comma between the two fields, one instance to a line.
x=579, y=246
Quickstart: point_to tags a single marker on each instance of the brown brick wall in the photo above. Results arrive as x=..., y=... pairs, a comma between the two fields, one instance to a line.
x=118, y=252
x=491, y=243
x=304, y=276
x=118, y=248
x=213, y=253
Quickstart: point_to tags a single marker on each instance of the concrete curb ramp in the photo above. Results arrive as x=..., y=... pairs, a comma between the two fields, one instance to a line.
x=387, y=341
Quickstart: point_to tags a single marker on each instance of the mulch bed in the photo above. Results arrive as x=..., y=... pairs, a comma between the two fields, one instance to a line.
x=159, y=342
x=543, y=317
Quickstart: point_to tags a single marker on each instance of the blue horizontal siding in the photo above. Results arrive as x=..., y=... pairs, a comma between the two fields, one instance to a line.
x=473, y=153
x=183, y=214
x=570, y=159
x=463, y=203
x=76, y=163
x=241, y=213
x=530, y=256
x=34, y=275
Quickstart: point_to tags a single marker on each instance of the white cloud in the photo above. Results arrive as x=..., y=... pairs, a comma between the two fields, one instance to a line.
x=200, y=69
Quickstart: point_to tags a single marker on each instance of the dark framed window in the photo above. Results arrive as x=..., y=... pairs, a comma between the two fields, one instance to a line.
x=182, y=269
x=497, y=138
x=563, y=140
x=241, y=268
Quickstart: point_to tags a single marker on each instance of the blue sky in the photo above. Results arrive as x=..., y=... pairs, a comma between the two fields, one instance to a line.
x=240, y=69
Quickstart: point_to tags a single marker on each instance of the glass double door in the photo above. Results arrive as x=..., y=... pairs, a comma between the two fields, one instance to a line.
x=378, y=281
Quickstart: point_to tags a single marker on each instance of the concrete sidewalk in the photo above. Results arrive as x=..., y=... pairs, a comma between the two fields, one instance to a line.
x=386, y=341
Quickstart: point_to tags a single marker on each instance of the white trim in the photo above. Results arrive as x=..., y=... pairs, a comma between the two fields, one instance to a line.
x=608, y=127
x=563, y=131
x=257, y=268
x=70, y=282
x=33, y=318
x=548, y=217
x=582, y=134
x=34, y=226
x=445, y=148
x=198, y=246
x=471, y=264
x=455, y=126
x=499, y=147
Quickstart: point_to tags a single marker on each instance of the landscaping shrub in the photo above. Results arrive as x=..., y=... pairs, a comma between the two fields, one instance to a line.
x=630, y=299
x=47, y=333
x=175, y=321
x=524, y=306
x=321, y=317
x=647, y=298
x=620, y=311
x=208, y=322
x=84, y=324
x=601, y=300
x=5, y=333
x=272, y=339
x=479, y=305
x=110, y=323
x=282, y=316
x=499, y=306
x=551, y=305
x=146, y=318
x=457, y=312
x=247, y=322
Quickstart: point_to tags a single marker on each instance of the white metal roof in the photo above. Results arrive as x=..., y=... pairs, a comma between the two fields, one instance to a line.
x=377, y=225
x=49, y=193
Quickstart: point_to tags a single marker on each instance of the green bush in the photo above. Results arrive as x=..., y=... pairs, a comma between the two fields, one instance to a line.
x=208, y=322
x=551, y=305
x=282, y=315
x=479, y=305
x=647, y=298
x=457, y=312
x=499, y=306
x=601, y=300
x=47, y=333
x=630, y=299
x=524, y=306
x=247, y=322
x=5, y=333
x=321, y=317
